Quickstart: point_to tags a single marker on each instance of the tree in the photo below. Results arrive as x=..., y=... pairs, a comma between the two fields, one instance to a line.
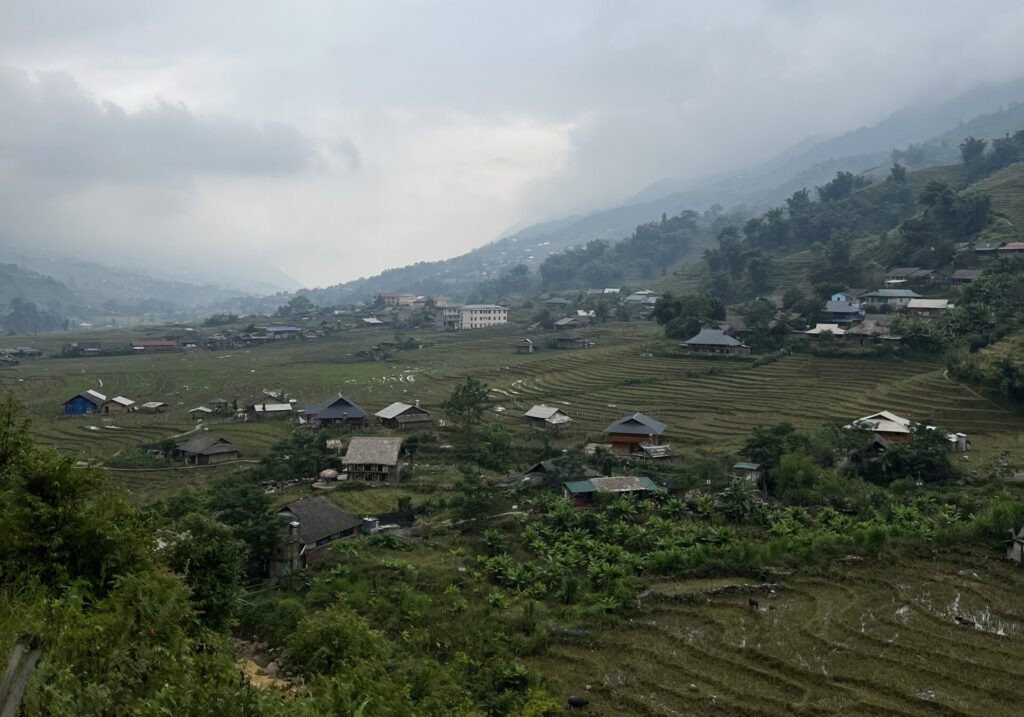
x=972, y=149
x=297, y=307
x=212, y=561
x=466, y=405
x=473, y=499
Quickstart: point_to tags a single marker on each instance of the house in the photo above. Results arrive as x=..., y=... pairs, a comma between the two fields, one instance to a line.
x=219, y=405
x=378, y=460
x=899, y=276
x=581, y=493
x=572, y=341
x=965, y=276
x=546, y=417
x=842, y=309
x=985, y=249
x=1015, y=546
x=402, y=416
x=118, y=404
x=311, y=525
x=834, y=330
x=714, y=342
x=84, y=403
x=890, y=428
x=1014, y=248
x=572, y=322
x=639, y=298
x=626, y=435
x=393, y=298
x=278, y=333
x=872, y=330
x=150, y=346
x=928, y=308
x=372, y=322
x=204, y=450
x=258, y=410
x=200, y=412
x=154, y=407
x=753, y=472
x=337, y=411
x=557, y=303
x=536, y=474
x=891, y=297
x=81, y=348
x=475, y=316
x=27, y=352
x=526, y=346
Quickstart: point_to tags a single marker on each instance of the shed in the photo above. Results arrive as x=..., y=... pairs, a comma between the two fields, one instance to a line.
x=627, y=434
x=200, y=411
x=88, y=401
x=655, y=452
x=750, y=471
x=581, y=493
x=118, y=404
x=154, y=407
x=402, y=416
x=525, y=347
x=378, y=460
x=546, y=417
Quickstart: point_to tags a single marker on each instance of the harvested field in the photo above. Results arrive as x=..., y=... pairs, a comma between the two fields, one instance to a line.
x=862, y=640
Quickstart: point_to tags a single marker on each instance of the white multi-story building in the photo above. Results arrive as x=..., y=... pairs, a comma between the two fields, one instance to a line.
x=474, y=316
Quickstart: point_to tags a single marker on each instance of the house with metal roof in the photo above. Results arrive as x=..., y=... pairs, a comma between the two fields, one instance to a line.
x=714, y=342
x=86, y=402
x=843, y=309
x=753, y=472
x=337, y=411
x=965, y=276
x=626, y=435
x=582, y=493
x=118, y=404
x=309, y=526
x=1015, y=248
x=154, y=407
x=928, y=308
x=402, y=416
x=546, y=417
x=205, y=449
x=890, y=297
x=377, y=460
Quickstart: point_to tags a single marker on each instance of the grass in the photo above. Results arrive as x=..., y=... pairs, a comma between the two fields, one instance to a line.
x=863, y=639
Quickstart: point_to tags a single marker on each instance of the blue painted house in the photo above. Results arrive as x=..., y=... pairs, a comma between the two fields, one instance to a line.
x=84, y=403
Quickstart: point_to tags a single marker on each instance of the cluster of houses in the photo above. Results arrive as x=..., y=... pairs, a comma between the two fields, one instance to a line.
x=93, y=402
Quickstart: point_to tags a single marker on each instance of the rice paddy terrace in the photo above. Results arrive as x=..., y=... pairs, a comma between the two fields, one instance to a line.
x=706, y=402
x=864, y=639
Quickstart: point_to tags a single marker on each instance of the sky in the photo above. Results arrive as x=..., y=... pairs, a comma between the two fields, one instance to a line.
x=330, y=140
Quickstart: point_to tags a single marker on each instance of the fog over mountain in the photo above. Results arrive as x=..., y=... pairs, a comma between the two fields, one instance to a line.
x=321, y=142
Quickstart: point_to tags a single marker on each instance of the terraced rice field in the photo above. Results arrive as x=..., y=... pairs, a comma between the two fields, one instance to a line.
x=862, y=640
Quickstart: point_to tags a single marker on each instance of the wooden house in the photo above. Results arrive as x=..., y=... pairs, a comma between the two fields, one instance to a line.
x=928, y=308
x=627, y=434
x=890, y=297
x=310, y=526
x=753, y=472
x=377, y=460
x=714, y=342
x=572, y=341
x=219, y=405
x=582, y=493
x=403, y=416
x=526, y=346
x=337, y=411
x=205, y=449
x=546, y=417
x=118, y=404
x=965, y=276
x=200, y=412
x=154, y=407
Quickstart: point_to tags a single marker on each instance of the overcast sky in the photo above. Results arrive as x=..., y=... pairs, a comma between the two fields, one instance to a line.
x=335, y=139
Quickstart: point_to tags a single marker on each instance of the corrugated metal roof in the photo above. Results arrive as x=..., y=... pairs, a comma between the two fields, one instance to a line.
x=544, y=412
x=638, y=424
x=319, y=518
x=712, y=337
x=747, y=466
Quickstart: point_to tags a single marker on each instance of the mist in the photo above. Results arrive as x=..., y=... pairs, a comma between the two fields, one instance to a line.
x=328, y=141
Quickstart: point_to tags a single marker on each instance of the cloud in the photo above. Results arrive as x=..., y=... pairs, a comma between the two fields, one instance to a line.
x=50, y=128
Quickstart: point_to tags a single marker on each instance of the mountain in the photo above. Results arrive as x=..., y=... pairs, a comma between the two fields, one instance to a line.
x=931, y=133
x=44, y=291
